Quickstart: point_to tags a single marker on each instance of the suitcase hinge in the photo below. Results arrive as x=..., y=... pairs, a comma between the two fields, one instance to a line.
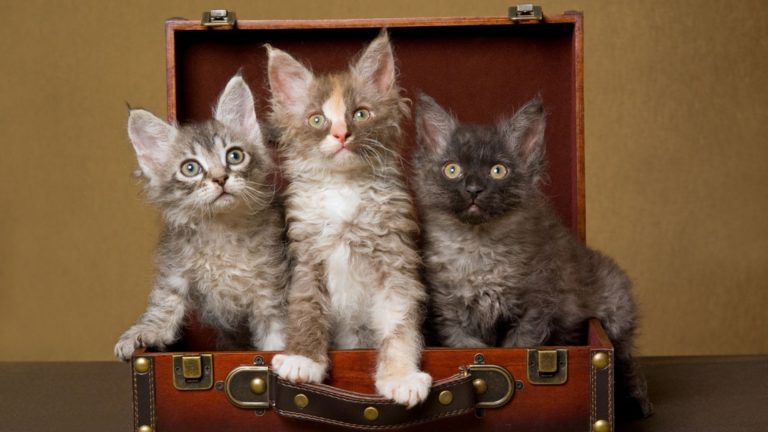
x=526, y=12
x=193, y=372
x=219, y=18
x=547, y=367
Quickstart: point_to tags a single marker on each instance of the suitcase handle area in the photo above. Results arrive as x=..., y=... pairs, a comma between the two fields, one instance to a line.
x=474, y=387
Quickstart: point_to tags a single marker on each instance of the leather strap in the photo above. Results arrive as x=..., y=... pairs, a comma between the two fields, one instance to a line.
x=325, y=404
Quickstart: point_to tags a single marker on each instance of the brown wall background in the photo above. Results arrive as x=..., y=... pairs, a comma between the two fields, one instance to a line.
x=676, y=162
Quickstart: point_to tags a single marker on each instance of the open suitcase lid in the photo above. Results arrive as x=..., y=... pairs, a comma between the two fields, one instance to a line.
x=482, y=69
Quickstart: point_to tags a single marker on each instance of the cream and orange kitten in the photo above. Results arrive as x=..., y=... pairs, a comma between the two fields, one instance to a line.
x=351, y=221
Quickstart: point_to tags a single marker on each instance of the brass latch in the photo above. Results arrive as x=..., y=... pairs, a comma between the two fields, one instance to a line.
x=526, y=12
x=219, y=18
x=547, y=367
x=193, y=372
x=248, y=387
x=494, y=385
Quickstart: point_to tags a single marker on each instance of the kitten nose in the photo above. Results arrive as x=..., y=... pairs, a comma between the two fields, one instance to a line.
x=341, y=136
x=220, y=180
x=474, y=189
x=339, y=131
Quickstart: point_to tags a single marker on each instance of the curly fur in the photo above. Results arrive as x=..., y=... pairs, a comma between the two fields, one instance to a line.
x=351, y=221
x=502, y=270
x=222, y=251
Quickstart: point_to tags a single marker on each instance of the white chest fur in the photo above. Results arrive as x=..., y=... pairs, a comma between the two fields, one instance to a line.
x=331, y=208
x=340, y=202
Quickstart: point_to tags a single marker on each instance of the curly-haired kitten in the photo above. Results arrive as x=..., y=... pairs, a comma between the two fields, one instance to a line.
x=501, y=268
x=222, y=252
x=351, y=221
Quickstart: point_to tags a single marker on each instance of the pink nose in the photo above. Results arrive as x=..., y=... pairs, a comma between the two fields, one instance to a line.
x=341, y=136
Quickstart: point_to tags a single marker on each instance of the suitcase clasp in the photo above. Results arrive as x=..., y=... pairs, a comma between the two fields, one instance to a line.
x=547, y=367
x=193, y=372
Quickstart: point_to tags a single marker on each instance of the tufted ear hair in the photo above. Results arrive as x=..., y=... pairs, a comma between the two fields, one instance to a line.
x=434, y=126
x=377, y=64
x=150, y=137
x=236, y=110
x=289, y=80
x=524, y=135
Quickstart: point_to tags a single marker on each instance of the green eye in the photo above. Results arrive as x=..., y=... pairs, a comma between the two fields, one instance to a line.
x=499, y=171
x=190, y=168
x=235, y=156
x=452, y=170
x=361, y=114
x=317, y=120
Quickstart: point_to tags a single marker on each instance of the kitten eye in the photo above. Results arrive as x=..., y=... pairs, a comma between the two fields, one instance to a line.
x=190, y=168
x=499, y=171
x=361, y=114
x=452, y=170
x=317, y=120
x=235, y=156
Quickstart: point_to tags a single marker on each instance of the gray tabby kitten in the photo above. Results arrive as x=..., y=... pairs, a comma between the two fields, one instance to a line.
x=501, y=268
x=351, y=221
x=222, y=252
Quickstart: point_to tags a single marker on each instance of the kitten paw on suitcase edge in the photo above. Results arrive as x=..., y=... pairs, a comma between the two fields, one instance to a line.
x=298, y=369
x=408, y=390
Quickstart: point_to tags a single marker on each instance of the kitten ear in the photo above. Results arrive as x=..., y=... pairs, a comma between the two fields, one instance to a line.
x=289, y=80
x=524, y=134
x=434, y=125
x=150, y=137
x=377, y=63
x=237, y=110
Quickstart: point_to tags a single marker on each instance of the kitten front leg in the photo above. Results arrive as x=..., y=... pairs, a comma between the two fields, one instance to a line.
x=396, y=317
x=532, y=329
x=159, y=325
x=268, y=334
x=308, y=331
x=453, y=329
x=268, y=322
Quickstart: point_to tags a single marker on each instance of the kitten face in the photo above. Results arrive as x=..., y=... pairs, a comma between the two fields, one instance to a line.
x=340, y=122
x=477, y=173
x=205, y=169
x=211, y=170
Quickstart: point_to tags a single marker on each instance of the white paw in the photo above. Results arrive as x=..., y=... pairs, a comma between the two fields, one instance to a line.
x=125, y=347
x=138, y=336
x=298, y=369
x=408, y=390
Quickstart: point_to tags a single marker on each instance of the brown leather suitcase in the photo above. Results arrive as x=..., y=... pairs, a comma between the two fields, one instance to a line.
x=480, y=68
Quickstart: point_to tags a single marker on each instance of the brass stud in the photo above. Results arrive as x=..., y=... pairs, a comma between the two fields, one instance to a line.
x=371, y=413
x=301, y=400
x=258, y=386
x=480, y=386
x=141, y=365
x=144, y=428
x=600, y=360
x=601, y=426
x=445, y=397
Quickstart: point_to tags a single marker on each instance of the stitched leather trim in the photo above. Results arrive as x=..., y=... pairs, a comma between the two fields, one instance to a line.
x=601, y=383
x=144, y=397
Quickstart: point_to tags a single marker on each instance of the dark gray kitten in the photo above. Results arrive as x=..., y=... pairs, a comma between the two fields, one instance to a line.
x=501, y=268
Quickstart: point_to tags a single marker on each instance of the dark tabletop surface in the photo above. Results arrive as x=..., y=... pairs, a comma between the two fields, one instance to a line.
x=690, y=394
